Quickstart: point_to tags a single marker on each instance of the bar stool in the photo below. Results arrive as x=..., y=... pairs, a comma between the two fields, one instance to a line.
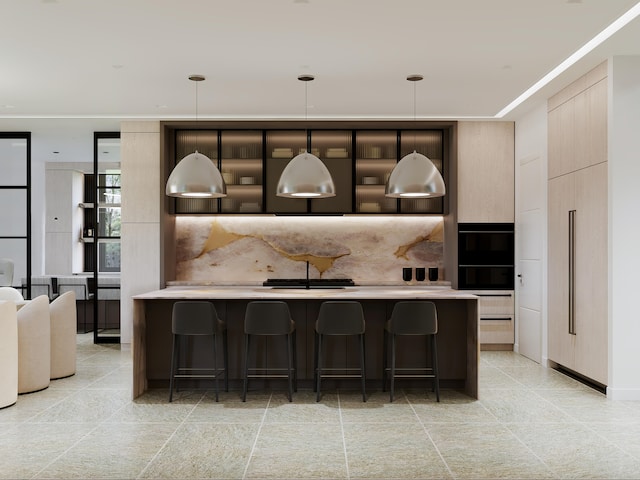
x=339, y=318
x=197, y=318
x=270, y=318
x=411, y=318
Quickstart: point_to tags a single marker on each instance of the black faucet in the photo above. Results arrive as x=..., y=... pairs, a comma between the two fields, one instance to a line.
x=308, y=283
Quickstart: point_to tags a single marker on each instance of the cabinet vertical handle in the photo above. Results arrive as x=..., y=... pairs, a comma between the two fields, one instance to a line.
x=572, y=272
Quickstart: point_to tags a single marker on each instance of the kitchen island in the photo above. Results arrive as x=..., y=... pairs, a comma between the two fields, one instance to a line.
x=458, y=347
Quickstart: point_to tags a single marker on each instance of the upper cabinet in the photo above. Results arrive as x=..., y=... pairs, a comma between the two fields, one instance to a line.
x=360, y=161
x=580, y=112
x=485, y=172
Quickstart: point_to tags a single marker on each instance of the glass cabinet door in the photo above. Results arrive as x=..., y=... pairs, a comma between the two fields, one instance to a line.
x=187, y=142
x=281, y=147
x=241, y=168
x=376, y=155
x=429, y=143
x=333, y=147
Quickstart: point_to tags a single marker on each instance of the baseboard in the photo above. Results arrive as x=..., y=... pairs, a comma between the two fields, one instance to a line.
x=623, y=393
x=496, y=347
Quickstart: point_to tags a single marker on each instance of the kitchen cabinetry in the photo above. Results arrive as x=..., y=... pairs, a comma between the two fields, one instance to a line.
x=485, y=172
x=577, y=228
x=496, y=309
x=360, y=161
x=578, y=271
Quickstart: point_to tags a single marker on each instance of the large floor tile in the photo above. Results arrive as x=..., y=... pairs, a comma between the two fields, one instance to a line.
x=113, y=451
x=392, y=450
x=28, y=449
x=88, y=406
x=204, y=450
x=287, y=450
x=486, y=451
x=521, y=406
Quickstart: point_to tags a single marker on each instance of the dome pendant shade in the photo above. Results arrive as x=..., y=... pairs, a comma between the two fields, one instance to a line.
x=306, y=176
x=196, y=176
x=415, y=176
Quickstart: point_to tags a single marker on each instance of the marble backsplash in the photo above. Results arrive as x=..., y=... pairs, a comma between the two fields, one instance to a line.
x=250, y=249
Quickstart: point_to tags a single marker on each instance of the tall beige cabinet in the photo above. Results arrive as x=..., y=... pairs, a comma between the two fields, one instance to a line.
x=577, y=226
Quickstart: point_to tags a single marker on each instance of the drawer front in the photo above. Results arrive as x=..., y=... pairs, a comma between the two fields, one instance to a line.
x=498, y=303
x=496, y=329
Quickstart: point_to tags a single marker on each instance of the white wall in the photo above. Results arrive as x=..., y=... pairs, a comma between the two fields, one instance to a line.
x=624, y=227
x=531, y=233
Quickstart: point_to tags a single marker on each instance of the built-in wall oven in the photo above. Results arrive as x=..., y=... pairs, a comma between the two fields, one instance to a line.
x=486, y=256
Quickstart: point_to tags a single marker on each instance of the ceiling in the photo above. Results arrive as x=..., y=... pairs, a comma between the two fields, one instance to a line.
x=72, y=67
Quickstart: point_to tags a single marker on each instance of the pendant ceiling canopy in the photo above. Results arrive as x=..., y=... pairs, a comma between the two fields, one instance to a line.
x=415, y=176
x=196, y=176
x=306, y=176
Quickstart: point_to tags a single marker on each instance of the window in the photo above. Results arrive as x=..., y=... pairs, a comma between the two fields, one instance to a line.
x=109, y=221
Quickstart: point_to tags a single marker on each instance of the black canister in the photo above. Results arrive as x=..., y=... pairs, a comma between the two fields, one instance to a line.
x=420, y=274
x=433, y=274
x=407, y=274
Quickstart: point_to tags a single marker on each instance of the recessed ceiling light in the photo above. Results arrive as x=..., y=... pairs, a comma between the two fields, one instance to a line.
x=587, y=48
x=162, y=106
x=8, y=106
x=300, y=1
x=56, y=152
x=117, y=66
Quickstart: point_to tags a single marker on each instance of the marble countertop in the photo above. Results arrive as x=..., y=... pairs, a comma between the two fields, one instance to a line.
x=253, y=292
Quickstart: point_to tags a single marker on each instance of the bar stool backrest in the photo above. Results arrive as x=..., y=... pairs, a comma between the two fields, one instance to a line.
x=340, y=318
x=413, y=318
x=194, y=318
x=268, y=318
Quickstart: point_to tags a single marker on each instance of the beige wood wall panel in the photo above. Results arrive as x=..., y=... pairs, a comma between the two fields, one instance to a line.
x=485, y=172
x=588, y=79
x=561, y=147
x=140, y=268
x=591, y=273
x=561, y=200
x=141, y=199
x=141, y=195
x=597, y=126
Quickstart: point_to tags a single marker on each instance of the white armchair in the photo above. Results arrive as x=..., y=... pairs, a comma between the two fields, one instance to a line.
x=63, y=335
x=34, y=345
x=8, y=354
x=11, y=294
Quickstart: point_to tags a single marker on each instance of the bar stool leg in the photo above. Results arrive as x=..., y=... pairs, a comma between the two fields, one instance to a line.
x=246, y=368
x=225, y=354
x=174, y=352
x=393, y=366
x=319, y=367
x=215, y=364
x=362, y=369
x=295, y=361
x=289, y=372
x=436, y=375
x=315, y=361
x=385, y=361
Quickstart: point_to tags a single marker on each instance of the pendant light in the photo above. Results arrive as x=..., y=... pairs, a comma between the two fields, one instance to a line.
x=196, y=176
x=415, y=176
x=306, y=176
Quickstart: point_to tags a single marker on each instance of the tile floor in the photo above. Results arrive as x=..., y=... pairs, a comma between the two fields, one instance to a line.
x=530, y=422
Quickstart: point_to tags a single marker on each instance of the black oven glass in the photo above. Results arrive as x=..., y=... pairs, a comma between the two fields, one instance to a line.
x=486, y=256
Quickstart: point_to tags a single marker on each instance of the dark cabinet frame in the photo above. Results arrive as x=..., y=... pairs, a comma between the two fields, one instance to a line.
x=171, y=155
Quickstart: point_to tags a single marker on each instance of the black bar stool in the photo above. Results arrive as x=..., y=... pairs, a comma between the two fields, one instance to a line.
x=339, y=318
x=197, y=318
x=411, y=318
x=270, y=318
